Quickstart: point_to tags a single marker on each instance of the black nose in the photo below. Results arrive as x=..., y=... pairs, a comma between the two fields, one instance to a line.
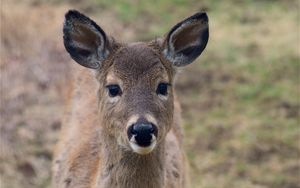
x=143, y=133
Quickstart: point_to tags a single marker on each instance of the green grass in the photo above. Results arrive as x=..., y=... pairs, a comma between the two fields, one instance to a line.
x=240, y=99
x=242, y=115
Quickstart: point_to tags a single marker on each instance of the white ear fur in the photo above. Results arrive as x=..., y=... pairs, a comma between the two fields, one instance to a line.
x=85, y=41
x=186, y=41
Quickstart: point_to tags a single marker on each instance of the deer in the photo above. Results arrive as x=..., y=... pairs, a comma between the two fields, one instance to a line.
x=122, y=127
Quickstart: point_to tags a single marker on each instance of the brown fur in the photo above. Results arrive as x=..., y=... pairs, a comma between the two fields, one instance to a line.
x=93, y=149
x=87, y=158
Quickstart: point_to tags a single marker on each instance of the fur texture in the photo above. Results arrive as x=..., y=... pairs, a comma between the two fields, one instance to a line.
x=93, y=150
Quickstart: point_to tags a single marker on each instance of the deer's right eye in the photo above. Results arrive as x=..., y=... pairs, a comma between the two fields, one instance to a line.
x=114, y=90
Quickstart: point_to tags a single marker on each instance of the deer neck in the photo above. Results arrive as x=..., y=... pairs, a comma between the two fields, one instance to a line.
x=123, y=168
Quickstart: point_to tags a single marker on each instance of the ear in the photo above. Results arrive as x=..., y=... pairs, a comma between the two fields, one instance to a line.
x=186, y=40
x=85, y=41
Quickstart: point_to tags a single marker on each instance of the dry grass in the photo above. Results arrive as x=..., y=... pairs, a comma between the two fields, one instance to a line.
x=32, y=73
x=34, y=68
x=240, y=101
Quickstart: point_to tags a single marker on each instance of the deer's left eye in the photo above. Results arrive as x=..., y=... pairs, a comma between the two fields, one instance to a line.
x=162, y=89
x=114, y=90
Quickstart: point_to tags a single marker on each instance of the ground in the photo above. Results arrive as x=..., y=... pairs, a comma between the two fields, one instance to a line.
x=240, y=99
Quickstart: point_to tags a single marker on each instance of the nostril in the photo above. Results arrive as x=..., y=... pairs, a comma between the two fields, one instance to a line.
x=151, y=130
x=154, y=130
x=133, y=130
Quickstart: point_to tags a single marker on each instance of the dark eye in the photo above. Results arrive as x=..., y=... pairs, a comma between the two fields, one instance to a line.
x=114, y=90
x=162, y=89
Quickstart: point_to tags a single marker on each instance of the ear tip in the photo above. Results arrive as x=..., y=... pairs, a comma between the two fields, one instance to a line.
x=72, y=13
x=71, y=16
x=200, y=16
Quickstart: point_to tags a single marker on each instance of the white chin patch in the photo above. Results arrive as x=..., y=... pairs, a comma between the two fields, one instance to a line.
x=142, y=150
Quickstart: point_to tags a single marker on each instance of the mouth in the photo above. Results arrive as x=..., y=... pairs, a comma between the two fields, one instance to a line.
x=142, y=150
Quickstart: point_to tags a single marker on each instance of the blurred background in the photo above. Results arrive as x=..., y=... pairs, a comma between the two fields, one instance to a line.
x=240, y=99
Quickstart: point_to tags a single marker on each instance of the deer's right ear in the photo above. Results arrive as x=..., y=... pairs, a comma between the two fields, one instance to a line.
x=85, y=41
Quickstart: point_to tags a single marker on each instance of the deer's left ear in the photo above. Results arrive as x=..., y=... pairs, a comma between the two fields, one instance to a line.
x=186, y=40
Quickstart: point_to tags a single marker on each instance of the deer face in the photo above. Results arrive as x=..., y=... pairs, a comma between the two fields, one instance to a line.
x=135, y=80
x=137, y=93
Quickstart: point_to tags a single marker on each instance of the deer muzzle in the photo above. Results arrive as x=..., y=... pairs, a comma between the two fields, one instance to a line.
x=142, y=137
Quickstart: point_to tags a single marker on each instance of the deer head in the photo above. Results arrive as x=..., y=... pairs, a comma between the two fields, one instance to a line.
x=136, y=81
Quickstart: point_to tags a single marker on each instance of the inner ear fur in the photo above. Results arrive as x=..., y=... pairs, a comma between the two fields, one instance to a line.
x=187, y=40
x=85, y=41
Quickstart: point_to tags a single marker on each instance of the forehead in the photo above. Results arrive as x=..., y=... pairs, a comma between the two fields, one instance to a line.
x=136, y=61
